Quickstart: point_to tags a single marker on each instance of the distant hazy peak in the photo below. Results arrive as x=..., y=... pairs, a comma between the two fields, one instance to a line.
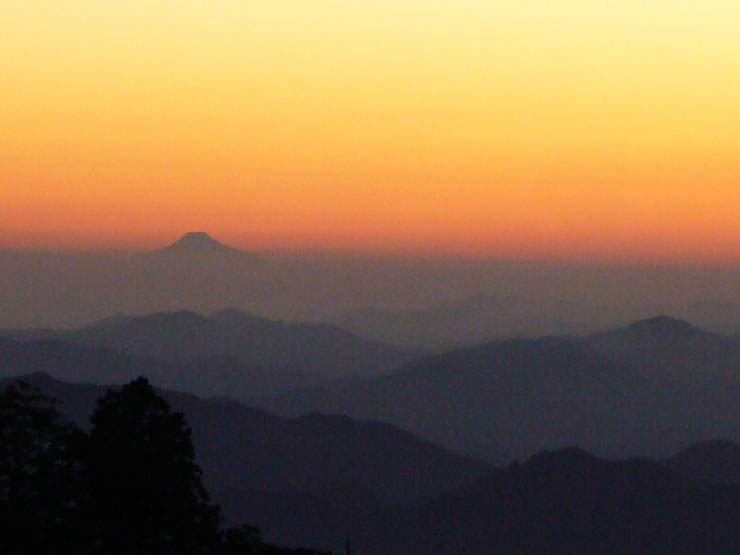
x=195, y=236
x=236, y=317
x=199, y=241
x=110, y=321
x=172, y=316
x=122, y=321
x=711, y=445
x=663, y=324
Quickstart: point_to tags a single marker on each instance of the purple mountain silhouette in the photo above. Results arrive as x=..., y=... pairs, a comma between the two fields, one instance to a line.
x=200, y=242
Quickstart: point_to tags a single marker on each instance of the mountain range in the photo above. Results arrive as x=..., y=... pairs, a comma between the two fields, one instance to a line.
x=483, y=318
x=647, y=388
x=229, y=352
x=428, y=302
x=714, y=461
x=317, y=480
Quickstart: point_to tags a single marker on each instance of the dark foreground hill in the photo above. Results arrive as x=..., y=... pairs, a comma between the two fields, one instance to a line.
x=242, y=448
x=715, y=461
x=568, y=501
x=564, y=501
x=650, y=389
x=317, y=480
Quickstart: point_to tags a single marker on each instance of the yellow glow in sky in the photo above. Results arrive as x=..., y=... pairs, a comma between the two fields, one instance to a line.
x=554, y=128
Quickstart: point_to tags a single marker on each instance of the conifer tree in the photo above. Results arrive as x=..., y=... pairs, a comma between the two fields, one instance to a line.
x=145, y=492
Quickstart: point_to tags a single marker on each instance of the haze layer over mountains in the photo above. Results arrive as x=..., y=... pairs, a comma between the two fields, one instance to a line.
x=644, y=388
x=416, y=406
x=431, y=302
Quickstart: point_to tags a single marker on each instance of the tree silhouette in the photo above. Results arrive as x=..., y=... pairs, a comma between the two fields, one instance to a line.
x=145, y=493
x=129, y=487
x=40, y=468
x=242, y=540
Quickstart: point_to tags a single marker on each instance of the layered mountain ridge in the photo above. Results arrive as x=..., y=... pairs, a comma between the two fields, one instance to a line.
x=646, y=388
x=319, y=479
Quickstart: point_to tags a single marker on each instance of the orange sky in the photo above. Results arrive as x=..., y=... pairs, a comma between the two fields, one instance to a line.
x=535, y=128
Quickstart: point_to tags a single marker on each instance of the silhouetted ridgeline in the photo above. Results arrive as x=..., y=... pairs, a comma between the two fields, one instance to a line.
x=484, y=318
x=321, y=350
x=715, y=461
x=646, y=389
x=229, y=353
x=200, y=243
x=563, y=501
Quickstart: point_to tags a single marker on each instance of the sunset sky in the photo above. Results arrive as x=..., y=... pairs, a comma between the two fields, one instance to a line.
x=527, y=129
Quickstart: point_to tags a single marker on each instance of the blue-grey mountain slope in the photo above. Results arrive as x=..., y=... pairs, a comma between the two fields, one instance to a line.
x=484, y=318
x=715, y=461
x=646, y=389
x=314, y=350
x=317, y=480
x=213, y=376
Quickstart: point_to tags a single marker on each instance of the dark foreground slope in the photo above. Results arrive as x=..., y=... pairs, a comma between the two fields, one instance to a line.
x=317, y=480
x=646, y=389
x=568, y=501
x=564, y=501
x=715, y=461
x=242, y=448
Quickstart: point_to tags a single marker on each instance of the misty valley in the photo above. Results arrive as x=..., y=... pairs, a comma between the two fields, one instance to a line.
x=468, y=427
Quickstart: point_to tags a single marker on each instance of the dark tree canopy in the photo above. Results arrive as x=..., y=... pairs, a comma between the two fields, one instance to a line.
x=146, y=493
x=40, y=464
x=129, y=487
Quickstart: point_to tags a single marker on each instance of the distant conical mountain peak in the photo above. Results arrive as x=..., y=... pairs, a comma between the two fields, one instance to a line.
x=197, y=236
x=200, y=242
x=197, y=239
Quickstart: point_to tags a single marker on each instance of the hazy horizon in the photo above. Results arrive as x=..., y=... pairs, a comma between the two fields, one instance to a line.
x=65, y=242
x=61, y=288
